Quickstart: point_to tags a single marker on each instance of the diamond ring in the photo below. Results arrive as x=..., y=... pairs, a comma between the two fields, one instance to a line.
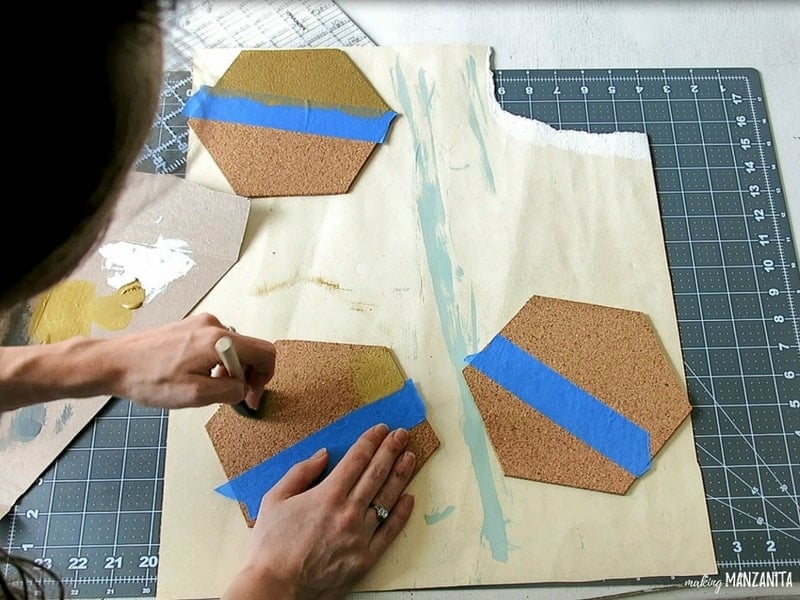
x=381, y=512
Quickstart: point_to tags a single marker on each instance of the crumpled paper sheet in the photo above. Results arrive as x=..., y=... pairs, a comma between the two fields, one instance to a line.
x=464, y=214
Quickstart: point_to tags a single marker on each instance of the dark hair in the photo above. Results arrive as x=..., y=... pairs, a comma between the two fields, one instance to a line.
x=88, y=105
x=28, y=578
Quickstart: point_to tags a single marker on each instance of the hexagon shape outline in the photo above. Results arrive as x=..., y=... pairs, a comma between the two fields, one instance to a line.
x=329, y=121
x=612, y=354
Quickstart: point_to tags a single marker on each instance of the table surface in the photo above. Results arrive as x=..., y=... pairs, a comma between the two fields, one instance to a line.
x=548, y=34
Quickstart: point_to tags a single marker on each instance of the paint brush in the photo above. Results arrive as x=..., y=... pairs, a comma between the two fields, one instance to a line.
x=230, y=360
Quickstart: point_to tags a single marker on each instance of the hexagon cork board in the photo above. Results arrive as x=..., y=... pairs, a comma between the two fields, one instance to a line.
x=577, y=394
x=290, y=122
x=323, y=395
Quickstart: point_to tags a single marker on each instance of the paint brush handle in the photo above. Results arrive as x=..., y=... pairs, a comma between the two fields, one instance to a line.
x=227, y=354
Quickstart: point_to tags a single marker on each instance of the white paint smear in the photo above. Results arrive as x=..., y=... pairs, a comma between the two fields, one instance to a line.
x=155, y=266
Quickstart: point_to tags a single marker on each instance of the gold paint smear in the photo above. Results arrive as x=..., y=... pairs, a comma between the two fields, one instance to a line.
x=132, y=295
x=62, y=312
x=70, y=308
x=321, y=75
x=375, y=373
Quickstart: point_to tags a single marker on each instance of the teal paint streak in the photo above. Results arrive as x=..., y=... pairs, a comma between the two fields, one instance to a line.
x=472, y=75
x=430, y=207
x=473, y=326
x=433, y=518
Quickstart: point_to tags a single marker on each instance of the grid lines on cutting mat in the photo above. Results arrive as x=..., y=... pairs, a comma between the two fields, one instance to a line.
x=94, y=515
x=734, y=275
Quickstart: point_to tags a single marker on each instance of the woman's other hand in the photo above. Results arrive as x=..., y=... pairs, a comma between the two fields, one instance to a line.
x=317, y=541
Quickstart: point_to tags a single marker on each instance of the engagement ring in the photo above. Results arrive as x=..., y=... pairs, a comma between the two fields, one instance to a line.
x=381, y=512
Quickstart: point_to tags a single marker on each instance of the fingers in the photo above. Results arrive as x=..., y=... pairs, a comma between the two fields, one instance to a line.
x=393, y=487
x=258, y=357
x=345, y=475
x=382, y=469
x=300, y=477
x=392, y=526
x=222, y=390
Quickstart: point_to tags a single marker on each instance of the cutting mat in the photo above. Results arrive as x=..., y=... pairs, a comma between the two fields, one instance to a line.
x=94, y=515
x=734, y=276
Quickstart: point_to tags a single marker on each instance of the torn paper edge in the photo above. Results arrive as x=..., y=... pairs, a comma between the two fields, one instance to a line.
x=622, y=144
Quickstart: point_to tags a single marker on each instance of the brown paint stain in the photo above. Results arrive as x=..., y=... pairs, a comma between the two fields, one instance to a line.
x=264, y=289
x=362, y=306
x=70, y=308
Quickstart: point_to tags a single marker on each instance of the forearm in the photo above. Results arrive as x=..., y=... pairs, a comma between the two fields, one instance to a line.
x=76, y=368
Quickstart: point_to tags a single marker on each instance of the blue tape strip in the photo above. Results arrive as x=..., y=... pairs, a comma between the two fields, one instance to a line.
x=205, y=103
x=613, y=435
x=403, y=408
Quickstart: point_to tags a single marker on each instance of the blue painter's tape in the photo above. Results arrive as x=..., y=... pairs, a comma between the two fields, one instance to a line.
x=610, y=433
x=205, y=103
x=403, y=408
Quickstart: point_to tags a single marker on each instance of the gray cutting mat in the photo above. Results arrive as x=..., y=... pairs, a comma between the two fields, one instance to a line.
x=735, y=279
x=734, y=276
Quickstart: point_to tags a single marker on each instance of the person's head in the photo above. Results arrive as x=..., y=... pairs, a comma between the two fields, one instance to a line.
x=88, y=98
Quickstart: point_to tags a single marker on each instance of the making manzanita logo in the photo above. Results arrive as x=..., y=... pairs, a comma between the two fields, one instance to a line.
x=759, y=579
x=743, y=579
x=705, y=582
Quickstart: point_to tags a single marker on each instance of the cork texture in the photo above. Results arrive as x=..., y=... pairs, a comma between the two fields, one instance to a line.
x=612, y=354
x=264, y=162
x=315, y=384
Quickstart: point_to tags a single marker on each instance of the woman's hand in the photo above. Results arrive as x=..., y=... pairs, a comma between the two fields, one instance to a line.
x=317, y=542
x=172, y=366
x=169, y=366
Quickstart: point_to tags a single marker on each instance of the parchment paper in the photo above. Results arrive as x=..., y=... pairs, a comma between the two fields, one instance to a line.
x=453, y=224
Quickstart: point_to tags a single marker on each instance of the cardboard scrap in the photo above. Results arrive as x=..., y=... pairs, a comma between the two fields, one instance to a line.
x=316, y=384
x=159, y=219
x=289, y=123
x=612, y=354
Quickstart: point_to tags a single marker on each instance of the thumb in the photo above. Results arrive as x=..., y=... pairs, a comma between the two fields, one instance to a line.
x=302, y=475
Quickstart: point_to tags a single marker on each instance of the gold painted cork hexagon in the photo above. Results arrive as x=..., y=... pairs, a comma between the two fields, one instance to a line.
x=612, y=354
x=290, y=122
x=315, y=384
